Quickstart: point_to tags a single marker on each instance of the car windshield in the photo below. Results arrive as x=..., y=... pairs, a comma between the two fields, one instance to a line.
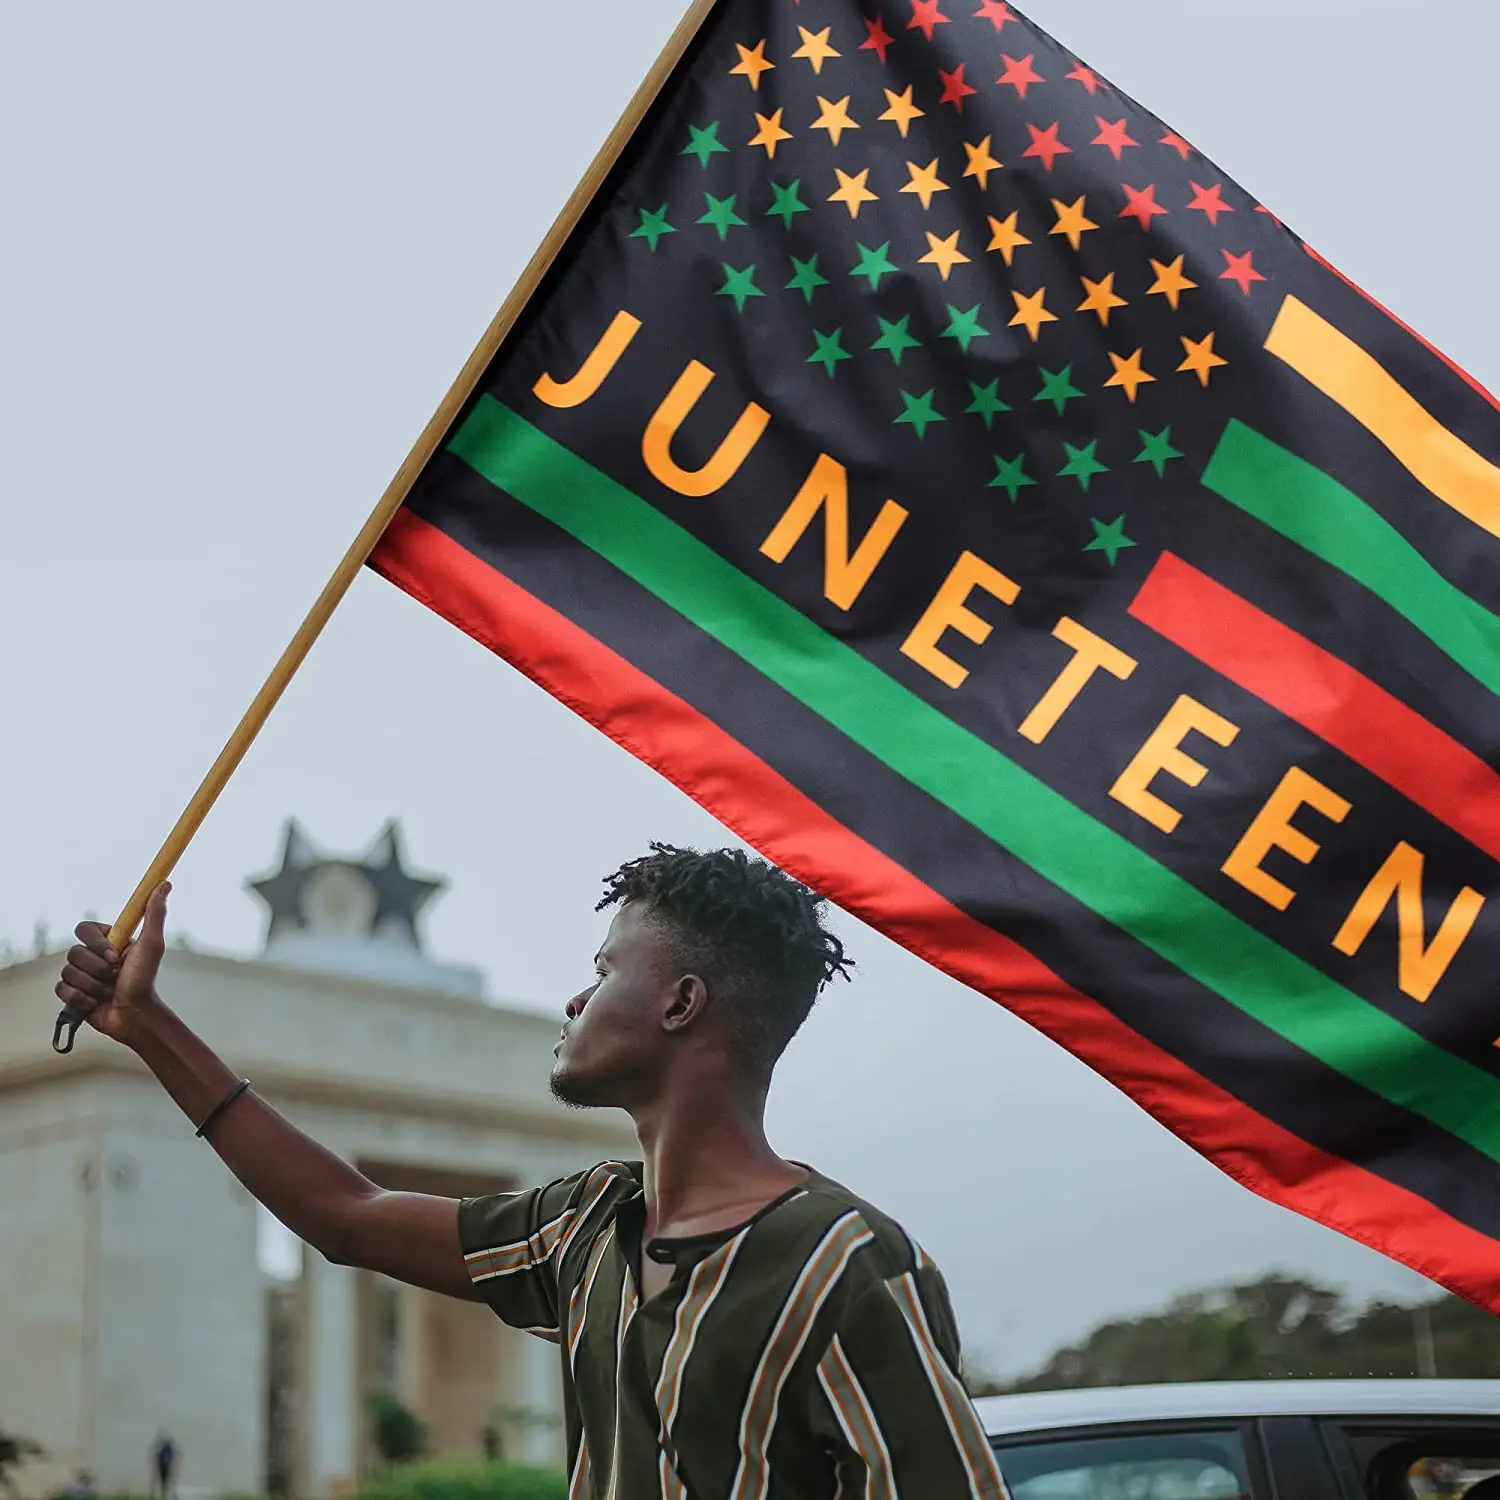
x=1185, y=1465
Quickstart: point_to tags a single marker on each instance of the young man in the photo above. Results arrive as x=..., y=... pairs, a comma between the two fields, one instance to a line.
x=731, y=1326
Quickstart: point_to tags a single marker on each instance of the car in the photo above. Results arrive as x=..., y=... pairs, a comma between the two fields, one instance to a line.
x=1253, y=1440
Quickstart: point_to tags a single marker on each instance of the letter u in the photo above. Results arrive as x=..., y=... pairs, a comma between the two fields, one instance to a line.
x=656, y=448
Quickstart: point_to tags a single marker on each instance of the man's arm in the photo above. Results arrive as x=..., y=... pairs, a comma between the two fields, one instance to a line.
x=318, y=1196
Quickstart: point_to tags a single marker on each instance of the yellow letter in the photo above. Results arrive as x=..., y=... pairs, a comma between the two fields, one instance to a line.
x=1163, y=752
x=604, y=357
x=949, y=611
x=1090, y=652
x=1272, y=829
x=1419, y=967
x=670, y=415
x=844, y=577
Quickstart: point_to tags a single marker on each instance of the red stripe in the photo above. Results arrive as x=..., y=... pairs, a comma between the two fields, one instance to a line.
x=1405, y=327
x=771, y=815
x=1324, y=695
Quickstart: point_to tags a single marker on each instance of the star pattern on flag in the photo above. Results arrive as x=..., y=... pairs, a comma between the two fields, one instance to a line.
x=1098, y=218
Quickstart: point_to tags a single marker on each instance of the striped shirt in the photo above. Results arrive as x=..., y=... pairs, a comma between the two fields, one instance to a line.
x=810, y=1354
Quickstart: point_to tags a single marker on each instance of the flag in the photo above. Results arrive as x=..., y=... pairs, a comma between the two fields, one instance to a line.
x=937, y=467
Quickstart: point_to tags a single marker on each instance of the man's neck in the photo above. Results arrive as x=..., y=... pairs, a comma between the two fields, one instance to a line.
x=708, y=1165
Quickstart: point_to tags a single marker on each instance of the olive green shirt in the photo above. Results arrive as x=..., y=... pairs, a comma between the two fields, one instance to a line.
x=809, y=1354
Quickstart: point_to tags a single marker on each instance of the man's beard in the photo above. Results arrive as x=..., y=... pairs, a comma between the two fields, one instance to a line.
x=564, y=1092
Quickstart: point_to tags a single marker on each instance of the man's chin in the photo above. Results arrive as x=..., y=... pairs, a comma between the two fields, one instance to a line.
x=571, y=1091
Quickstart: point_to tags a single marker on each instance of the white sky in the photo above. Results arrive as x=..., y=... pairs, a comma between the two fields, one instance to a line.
x=246, y=248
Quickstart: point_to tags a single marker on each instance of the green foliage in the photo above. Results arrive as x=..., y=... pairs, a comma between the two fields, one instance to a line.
x=399, y=1434
x=1278, y=1327
x=14, y=1451
x=466, y=1479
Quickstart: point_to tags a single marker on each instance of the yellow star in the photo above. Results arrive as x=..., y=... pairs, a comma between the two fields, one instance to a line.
x=1072, y=221
x=924, y=181
x=1101, y=297
x=752, y=62
x=1031, y=313
x=834, y=118
x=770, y=133
x=1170, y=282
x=1006, y=238
x=1201, y=359
x=1129, y=374
x=815, y=48
x=944, y=254
x=853, y=191
x=902, y=111
x=981, y=163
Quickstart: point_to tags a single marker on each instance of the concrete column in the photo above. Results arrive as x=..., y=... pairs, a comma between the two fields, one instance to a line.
x=330, y=1387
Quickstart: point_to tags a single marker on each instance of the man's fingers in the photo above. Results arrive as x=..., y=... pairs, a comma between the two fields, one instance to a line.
x=86, y=961
x=154, y=928
x=95, y=936
x=69, y=995
x=98, y=991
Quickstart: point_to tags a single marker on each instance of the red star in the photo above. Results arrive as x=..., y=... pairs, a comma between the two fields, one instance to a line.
x=1046, y=145
x=1208, y=201
x=1176, y=142
x=955, y=90
x=996, y=11
x=1142, y=205
x=1241, y=271
x=1020, y=75
x=924, y=16
x=1261, y=208
x=1115, y=136
x=879, y=38
x=1086, y=76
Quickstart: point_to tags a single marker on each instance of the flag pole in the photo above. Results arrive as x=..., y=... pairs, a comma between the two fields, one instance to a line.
x=395, y=495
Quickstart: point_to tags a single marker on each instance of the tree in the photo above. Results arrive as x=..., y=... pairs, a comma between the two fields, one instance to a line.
x=1279, y=1326
x=400, y=1434
x=14, y=1451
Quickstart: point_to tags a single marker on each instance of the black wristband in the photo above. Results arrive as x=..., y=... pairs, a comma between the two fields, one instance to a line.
x=222, y=1105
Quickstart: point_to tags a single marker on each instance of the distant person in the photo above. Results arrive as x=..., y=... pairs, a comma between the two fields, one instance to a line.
x=729, y=1322
x=163, y=1467
x=81, y=1487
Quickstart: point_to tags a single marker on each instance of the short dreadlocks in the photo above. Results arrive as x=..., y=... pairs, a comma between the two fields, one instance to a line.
x=753, y=934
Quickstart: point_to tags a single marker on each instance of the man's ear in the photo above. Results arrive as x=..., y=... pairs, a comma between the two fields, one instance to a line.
x=689, y=1001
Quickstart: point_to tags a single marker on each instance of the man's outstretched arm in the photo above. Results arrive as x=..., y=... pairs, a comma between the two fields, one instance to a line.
x=318, y=1196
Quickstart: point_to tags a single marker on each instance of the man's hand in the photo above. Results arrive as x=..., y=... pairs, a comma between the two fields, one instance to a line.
x=117, y=994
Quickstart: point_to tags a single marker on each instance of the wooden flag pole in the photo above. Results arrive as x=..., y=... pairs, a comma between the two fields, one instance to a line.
x=395, y=495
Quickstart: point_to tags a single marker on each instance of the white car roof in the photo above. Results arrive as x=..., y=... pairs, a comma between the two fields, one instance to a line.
x=1007, y=1416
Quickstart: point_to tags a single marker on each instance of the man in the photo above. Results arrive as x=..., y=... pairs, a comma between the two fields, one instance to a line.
x=731, y=1326
x=163, y=1466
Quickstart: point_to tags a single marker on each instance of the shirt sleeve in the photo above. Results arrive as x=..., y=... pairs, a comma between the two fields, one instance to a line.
x=893, y=1405
x=514, y=1245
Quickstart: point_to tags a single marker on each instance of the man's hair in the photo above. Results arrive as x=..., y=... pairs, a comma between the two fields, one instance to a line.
x=753, y=934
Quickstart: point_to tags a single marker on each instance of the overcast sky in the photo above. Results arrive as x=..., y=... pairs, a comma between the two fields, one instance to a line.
x=246, y=248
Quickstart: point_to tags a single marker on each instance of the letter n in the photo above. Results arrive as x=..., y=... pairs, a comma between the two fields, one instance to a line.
x=827, y=489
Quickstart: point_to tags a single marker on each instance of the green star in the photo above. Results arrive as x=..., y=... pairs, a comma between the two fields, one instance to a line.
x=1111, y=539
x=895, y=338
x=1082, y=464
x=874, y=264
x=788, y=202
x=705, y=143
x=1059, y=388
x=721, y=214
x=830, y=350
x=964, y=326
x=806, y=280
x=740, y=285
x=986, y=404
x=920, y=412
x=1158, y=451
x=653, y=227
x=1011, y=476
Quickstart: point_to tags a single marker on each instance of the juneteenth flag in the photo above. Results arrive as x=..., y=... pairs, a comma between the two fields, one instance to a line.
x=929, y=461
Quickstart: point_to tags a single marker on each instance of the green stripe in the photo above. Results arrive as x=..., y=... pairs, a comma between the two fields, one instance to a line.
x=1089, y=861
x=1316, y=512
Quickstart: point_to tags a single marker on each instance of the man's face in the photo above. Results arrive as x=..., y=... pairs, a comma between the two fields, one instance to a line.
x=613, y=1045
